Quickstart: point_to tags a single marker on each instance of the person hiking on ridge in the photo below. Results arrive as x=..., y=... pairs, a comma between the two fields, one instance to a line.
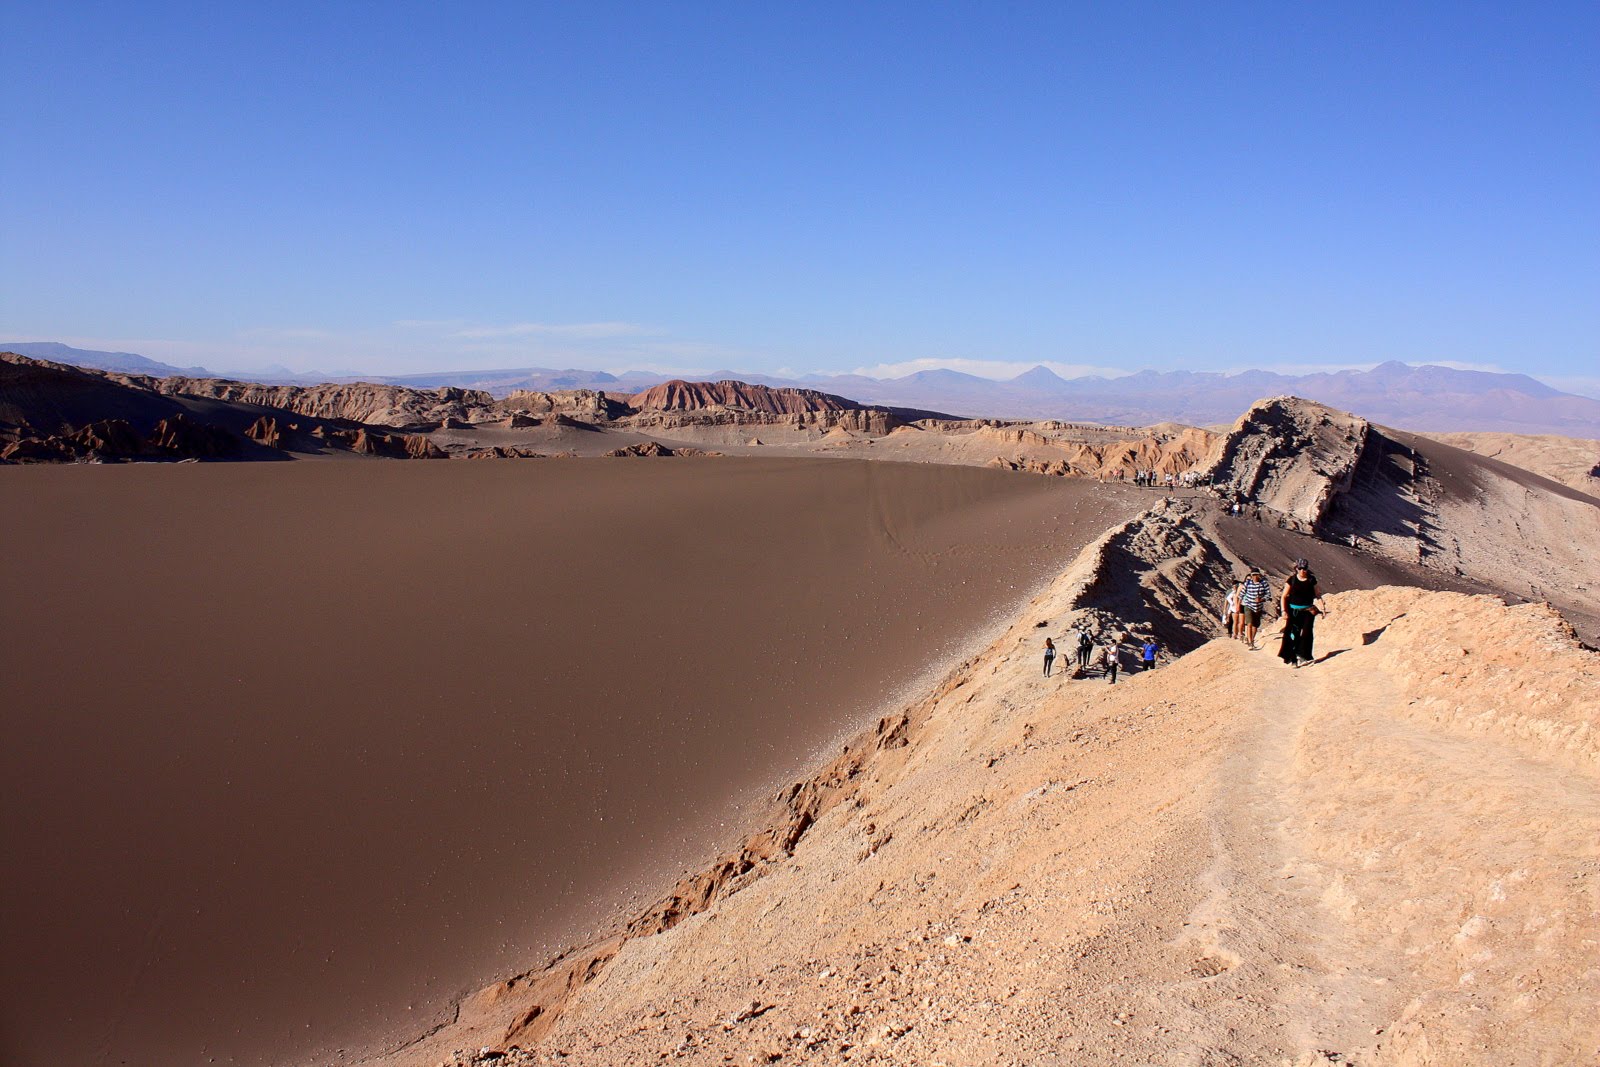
x=1300, y=610
x=1111, y=661
x=1253, y=596
x=1085, y=650
x=1147, y=653
x=1230, y=610
x=1049, y=655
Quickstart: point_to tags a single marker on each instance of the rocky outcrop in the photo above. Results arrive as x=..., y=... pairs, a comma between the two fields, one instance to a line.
x=419, y=447
x=680, y=395
x=1058, y=468
x=378, y=405
x=656, y=448
x=181, y=436
x=1062, y=455
x=369, y=442
x=587, y=405
x=37, y=450
x=363, y=443
x=873, y=422
x=108, y=439
x=500, y=452
x=116, y=440
x=265, y=431
x=1290, y=455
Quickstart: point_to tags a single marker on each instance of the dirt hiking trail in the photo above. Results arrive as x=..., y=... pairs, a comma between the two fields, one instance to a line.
x=1389, y=857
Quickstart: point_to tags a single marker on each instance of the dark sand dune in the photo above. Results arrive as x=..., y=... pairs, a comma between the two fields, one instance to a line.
x=297, y=752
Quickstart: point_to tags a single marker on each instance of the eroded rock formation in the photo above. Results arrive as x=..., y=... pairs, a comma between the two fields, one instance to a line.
x=1291, y=455
x=376, y=405
x=655, y=449
x=680, y=395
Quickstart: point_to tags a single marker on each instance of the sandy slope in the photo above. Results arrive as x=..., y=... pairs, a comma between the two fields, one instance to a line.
x=1457, y=513
x=1390, y=857
x=1572, y=461
x=267, y=724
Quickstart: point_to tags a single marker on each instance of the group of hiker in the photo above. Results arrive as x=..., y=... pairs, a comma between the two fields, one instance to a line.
x=1170, y=480
x=1299, y=604
x=1107, y=655
x=1246, y=603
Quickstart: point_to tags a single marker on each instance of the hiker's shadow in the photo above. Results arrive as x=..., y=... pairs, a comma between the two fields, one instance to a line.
x=1368, y=638
x=1371, y=636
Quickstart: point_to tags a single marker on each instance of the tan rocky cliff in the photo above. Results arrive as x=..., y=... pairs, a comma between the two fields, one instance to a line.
x=868, y=421
x=377, y=405
x=679, y=395
x=1291, y=455
x=586, y=404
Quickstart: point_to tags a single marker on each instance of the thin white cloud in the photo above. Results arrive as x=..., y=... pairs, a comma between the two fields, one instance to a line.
x=571, y=331
x=997, y=369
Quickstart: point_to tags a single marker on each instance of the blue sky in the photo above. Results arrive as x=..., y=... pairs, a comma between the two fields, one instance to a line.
x=826, y=187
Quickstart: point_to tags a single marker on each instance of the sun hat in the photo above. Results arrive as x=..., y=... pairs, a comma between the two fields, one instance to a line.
x=1301, y=565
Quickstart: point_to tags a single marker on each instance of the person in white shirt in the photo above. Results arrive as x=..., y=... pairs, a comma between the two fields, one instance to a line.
x=1253, y=596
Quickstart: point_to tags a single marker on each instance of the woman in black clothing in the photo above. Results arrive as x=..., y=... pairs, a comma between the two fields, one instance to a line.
x=1300, y=610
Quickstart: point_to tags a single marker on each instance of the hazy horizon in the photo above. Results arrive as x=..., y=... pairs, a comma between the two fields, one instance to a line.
x=992, y=370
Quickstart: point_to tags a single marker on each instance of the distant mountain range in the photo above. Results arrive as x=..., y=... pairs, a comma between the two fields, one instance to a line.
x=119, y=362
x=1394, y=394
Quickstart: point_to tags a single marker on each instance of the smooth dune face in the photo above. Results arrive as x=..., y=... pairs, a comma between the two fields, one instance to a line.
x=296, y=753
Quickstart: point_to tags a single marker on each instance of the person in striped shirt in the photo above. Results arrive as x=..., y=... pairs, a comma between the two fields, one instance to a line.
x=1253, y=595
